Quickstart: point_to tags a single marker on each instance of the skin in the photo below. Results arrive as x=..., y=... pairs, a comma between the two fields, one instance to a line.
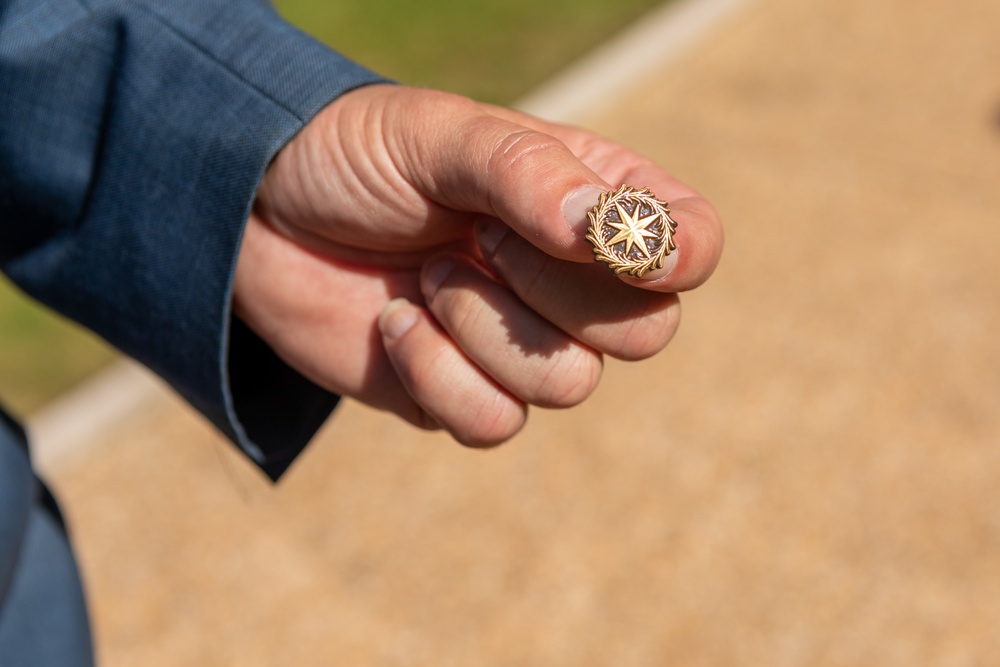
x=425, y=254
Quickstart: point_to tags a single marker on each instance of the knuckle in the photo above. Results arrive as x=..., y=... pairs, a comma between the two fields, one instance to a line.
x=461, y=313
x=519, y=150
x=421, y=375
x=533, y=276
x=495, y=421
x=570, y=381
x=646, y=336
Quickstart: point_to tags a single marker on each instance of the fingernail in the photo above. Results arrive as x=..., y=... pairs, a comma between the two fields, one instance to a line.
x=397, y=318
x=435, y=273
x=490, y=233
x=578, y=204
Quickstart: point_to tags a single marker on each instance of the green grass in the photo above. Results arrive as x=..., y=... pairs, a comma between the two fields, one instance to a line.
x=41, y=354
x=491, y=50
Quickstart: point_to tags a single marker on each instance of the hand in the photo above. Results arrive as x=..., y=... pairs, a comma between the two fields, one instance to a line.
x=424, y=254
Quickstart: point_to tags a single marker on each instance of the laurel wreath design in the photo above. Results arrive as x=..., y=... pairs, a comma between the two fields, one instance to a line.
x=615, y=256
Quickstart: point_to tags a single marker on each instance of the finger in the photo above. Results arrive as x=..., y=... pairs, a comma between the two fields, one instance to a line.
x=465, y=158
x=699, y=235
x=586, y=301
x=542, y=186
x=443, y=381
x=525, y=353
x=327, y=331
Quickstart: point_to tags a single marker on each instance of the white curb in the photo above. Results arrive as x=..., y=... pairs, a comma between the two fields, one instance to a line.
x=659, y=37
x=62, y=431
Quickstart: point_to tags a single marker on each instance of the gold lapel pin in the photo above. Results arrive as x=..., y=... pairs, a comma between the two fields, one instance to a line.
x=631, y=230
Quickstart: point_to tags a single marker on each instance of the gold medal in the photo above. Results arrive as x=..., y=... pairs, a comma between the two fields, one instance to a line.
x=631, y=230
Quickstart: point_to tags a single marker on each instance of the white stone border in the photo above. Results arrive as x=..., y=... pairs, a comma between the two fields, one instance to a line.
x=62, y=432
x=655, y=40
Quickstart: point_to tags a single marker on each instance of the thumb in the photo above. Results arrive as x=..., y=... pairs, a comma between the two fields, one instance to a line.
x=465, y=158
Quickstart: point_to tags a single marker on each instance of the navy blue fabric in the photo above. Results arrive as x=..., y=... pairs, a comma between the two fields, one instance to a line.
x=43, y=614
x=43, y=621
x=133, y=137
x=17, y=498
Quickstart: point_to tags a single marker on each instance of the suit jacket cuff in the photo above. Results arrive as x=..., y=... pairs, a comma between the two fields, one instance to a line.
x=188, y=102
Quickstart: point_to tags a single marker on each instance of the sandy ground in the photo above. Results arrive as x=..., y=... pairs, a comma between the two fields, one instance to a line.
x=811, y=478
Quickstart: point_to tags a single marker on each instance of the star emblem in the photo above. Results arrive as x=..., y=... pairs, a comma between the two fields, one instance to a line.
x=632, y=229
x=627, y=241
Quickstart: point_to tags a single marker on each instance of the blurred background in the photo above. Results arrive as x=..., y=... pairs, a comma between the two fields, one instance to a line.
x=808, y=475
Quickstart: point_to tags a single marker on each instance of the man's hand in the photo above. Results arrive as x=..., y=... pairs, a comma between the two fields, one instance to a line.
x=425, y=254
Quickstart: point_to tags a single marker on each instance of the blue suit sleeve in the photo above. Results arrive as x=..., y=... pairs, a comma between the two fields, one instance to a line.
x=133, y=136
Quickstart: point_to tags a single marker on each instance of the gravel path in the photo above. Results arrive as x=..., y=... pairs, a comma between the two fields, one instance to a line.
x=811, y=477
